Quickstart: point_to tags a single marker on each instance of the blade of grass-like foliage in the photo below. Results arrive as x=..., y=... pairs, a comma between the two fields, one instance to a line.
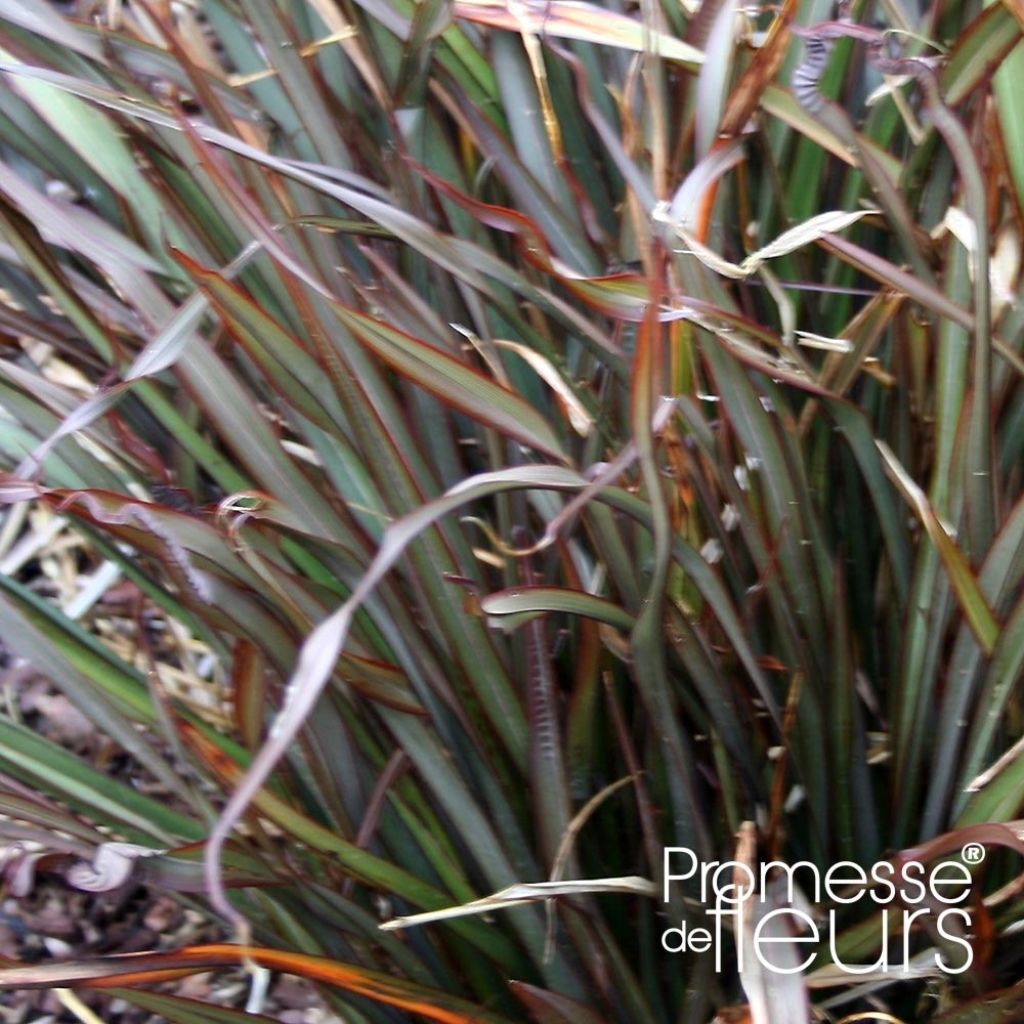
x=857, y=432
x=205, y=569
x=1006, y=85
x=181, y=870
x=463, y=213
x=298, y=84
x=70, y=645
x=972, y=601
x=998, y=577
x=259, y=450
x=285, y=363
x=532, y=124
x=576, y=411
x=700, y=187
x=65, y=224
x=389, y=215
x=582, y=735
x=563, y=233
x=200, y=369
x=99, y=45
x=582, y=21
x=106, y=152
x=547, y=761
x=1004, y=673
x=688, y=824
x=765, y=442
x=806, y=81
x=713, y=79
x=359, y=383
x=930, y=602
x=590, y=180
x=794, y=568
x=891, y=276
x=472, y=263
x=321, y=649
x=980, y=49
x=529, y=892
x=980, y=497
x=53, y=770
x=248, y=684
x=401, y=492
x=780, y=103
x=40, y=408
x=84, y=677
x=143, y=968
x=180, y=539
x=856, y=825
x=810, y=231
x=37, y=17
x=747, y=93
x=453, y=382
x=998, y=793
x=361, y=864
x=463, y=255
x=50, y=816
x=533, y=600
x=430, y=20
x=181, y=1010
x=711, y=589
x=726, y=713
x=860, y=338
x=161, y=353
x=599, y=121
x=38, y=260
x=550, y=1008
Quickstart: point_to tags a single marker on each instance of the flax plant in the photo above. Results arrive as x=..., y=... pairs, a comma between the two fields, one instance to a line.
x=531, y=437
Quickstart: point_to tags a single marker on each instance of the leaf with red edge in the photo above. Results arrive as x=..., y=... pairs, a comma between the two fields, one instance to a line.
x=181, y=1010
x=746, y=94
x=133, y=969
x=989, y=833
x=249, y=691
x=551, y=1008
x=980, y=48
x=452, y=381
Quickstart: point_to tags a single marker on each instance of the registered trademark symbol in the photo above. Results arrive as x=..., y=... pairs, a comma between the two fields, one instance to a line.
x=973, y=853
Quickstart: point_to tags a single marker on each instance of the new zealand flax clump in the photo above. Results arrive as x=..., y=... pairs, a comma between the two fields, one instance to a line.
x=451, y=446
